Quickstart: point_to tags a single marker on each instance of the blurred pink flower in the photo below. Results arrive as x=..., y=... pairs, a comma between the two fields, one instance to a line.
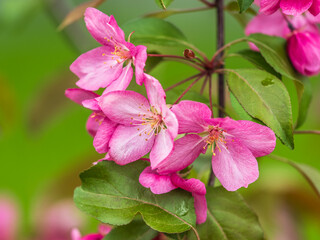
x=103, y=67
x=56, y=222
x=304, y=51
x=98, y=125
x=144, y=125
x=290, y=7
x=103, y=231
x=160, y=184
x=8, y=219
x=234, y=145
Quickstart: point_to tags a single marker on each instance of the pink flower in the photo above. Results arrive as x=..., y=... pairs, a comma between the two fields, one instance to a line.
x=103, y=231
x=8, y=219
x=160, y=184
x=304, y=51
x=234, y=145
x=98, y=125
x=144, y=125
x=103, y=67
x=290, y=7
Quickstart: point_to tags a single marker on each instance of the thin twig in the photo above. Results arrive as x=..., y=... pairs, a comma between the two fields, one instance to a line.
x=204, y=85
x=188, y=88
x=307, y=132
x=221, y=49
x=210, y=94
x=183, y=81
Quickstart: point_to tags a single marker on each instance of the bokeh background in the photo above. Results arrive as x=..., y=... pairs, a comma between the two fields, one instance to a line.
x=43, y=142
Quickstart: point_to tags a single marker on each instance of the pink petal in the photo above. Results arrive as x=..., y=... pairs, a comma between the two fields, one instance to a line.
x=315, y=7
x=198, y=190
x=96, y=68
x=269, y=6
x=162, y=147
x=273, y=25
x=191, y=116
x=191, y=185
x=92, y=104
x=200, y=206
x=9, y=219
x=170, y=121
x=139, y=61
x=104, y=229
x=103, y=136
x=79, y=95
x=75, y=234
x=125, y=107
x=234, y=165
x=94, y=236
x=155, y=92
x=259, y=139
x=158, y=184
x=103, y=28
x=129, y=144
x=93, y=123
x=295, y=7
x=122, y=82
x=185, y=151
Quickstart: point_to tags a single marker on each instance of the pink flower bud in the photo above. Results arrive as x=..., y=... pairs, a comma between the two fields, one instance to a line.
x=304, y=51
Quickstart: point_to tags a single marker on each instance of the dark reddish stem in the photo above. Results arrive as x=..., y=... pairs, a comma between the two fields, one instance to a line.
x=210, y=94
x=307, y=132
x=183, y=81
x=188, y=88
x=204, y=85
x=221, y=84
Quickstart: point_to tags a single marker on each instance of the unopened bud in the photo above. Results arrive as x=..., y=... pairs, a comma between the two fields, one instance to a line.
x=188, y=53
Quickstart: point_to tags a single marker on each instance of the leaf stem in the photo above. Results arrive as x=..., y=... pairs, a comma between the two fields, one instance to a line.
x=210, y=94
x=223, y=48
x=307, y=132
x=183, y=81
x=188, y=88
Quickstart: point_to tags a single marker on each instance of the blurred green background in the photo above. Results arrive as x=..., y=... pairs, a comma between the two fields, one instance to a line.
x=43, y=141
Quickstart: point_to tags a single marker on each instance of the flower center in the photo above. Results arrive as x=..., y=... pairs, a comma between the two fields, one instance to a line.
x=155, y=120
x=123, y=54
x=216, y=135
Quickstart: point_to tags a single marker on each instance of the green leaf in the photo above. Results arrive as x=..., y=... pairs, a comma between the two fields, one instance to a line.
x=244, y=5
x=305, y=97
x=229, y=218
x=264, y=97
x=164, y=3
x=136, y=230
x=257, y=59
x=234, y=9
x=155, y=31
x=152, y=62
x=113, y=194
x=273, y=50
x=240, y=111
x=311, y=174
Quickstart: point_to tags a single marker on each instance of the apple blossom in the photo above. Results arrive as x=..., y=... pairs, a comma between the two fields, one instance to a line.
x=98, y=125
x=103, y=231
x=290, y=7
x=144, y=125
x=234, y=145
x=103, y=66
x=304, y=51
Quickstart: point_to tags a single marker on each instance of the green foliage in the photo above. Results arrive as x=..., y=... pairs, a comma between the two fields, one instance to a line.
x=244, y=5
x=257, y=59
x=154, y=31
x=113, y=194
x=229, y=218
x=273, y=49
x=243, y=18
x=136, y=230
x=311, y=174
x=305, y=97
x=163, y=3
x=264, y=97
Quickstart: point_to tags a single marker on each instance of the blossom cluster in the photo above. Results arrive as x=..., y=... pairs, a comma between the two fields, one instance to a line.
x=127, y=126
x=292, y=21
